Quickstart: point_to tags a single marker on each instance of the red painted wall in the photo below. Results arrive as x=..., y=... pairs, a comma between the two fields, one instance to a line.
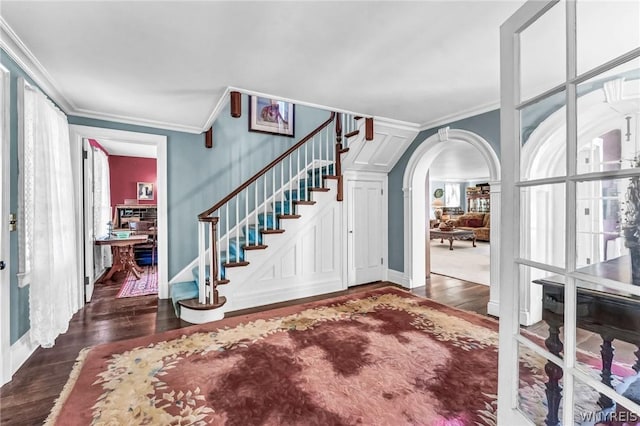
x=126, y=172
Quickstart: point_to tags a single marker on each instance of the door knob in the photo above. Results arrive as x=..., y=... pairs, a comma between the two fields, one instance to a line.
x=2, y=265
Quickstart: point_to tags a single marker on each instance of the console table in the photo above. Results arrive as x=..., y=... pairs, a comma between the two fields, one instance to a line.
x=123, y=256
x=613, y=315
x=456, y=234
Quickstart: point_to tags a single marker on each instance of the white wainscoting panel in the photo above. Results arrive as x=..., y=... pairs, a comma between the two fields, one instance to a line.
x=305, y=260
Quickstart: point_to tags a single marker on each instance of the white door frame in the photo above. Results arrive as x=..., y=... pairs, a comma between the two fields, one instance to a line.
x=416, y=206
x=5, y=282
x=77, y=133
x=350, y=178
x=87, y=224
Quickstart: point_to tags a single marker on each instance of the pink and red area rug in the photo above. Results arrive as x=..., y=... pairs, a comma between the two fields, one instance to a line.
x=382, y=357
x=145, y=285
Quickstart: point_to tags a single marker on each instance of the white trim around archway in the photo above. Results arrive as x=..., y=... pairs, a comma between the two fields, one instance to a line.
x=416, y=206
x=77, y=134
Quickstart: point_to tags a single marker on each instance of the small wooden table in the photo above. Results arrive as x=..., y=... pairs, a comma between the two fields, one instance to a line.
x=456, y=234
x=123, y=257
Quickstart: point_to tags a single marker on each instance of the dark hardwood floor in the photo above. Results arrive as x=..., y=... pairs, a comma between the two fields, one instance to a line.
x=29, y=397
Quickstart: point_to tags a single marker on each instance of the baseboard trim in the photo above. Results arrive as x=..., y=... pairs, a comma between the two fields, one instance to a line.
x=20, y=351
x=493, y=308
x=287, y=293
x=398, y=277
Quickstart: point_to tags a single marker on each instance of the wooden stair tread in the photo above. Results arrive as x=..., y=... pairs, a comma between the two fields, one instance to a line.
x=255, y=247
x=350, y=134
x=235, y=264
x=330, y=177
x=289, y=216
x=357, y=117
x=271, y=231
x=344, y=150
x=222, y=282
x=194, y=304
x=303, y=203
x=318, y=189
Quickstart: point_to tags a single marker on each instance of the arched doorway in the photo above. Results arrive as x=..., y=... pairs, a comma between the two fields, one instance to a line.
x=416, y=205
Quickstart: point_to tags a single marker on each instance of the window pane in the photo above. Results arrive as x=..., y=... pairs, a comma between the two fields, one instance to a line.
x=542, y=53
x=546, y=308
x=605, y=30
x=452, y=194
x=543, y=136
x=543, y=224
x=532, y=400
x=588, y=411
x=608, y=108
x=608, y=228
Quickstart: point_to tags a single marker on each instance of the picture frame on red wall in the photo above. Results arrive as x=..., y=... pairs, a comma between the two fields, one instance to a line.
x=145, y=191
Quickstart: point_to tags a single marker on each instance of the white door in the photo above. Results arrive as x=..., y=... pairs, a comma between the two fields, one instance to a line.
x=89, y=237
x=5, y=367
x=564, y=68
x=365, y=231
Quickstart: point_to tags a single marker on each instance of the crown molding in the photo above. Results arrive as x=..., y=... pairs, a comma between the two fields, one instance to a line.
x=387, y=121
x=222, y=102
x=460, y=115
x=20, y=53
x=136, y=121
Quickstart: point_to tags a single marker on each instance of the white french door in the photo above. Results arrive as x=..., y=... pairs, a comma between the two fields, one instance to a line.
x=5, y=361
x=570, y=112
x=365, y=241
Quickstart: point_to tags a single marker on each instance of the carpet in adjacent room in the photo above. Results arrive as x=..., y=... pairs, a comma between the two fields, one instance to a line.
x=145, y=285
x=464, y=262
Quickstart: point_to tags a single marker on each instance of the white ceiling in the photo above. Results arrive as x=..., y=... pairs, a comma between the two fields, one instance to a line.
x=167, y=64
x=460, y=161
x=129, y=149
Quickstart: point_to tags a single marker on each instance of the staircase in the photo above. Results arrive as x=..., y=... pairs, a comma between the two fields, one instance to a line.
x=258, y=211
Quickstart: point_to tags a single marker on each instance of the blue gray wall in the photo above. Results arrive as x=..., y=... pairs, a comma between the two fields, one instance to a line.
x=19, y=296
x=486, y=125
x=196, y=177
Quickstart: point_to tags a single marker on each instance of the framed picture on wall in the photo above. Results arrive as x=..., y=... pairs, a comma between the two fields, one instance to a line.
x=271, y=116
x=145, y=191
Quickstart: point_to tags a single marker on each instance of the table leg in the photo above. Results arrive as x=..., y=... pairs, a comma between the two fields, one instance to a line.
x=118, y=263
x=441, y=240
x=636, y=366
x=474, y=240
x=451, y=243
x=554, y=373
x=606, y=351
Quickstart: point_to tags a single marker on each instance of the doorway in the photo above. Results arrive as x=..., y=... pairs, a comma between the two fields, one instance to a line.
x=144, y=141
x=120, y=182
x=417, y=205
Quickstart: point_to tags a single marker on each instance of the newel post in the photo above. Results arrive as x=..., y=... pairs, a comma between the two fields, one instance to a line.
x=212, y=280
x=339, y=155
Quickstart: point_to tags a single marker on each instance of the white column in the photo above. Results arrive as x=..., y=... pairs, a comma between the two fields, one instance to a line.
x=493, y=307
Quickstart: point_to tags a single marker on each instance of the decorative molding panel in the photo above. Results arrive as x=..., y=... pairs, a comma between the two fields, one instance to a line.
x=390, y=141
x=305, y=260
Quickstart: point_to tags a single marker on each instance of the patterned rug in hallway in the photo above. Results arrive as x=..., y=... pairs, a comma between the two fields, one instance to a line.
x=381, y=357
x=147, y=284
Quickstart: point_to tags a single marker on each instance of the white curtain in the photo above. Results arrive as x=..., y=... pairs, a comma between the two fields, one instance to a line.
x=101, y=209
x=53, y=290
